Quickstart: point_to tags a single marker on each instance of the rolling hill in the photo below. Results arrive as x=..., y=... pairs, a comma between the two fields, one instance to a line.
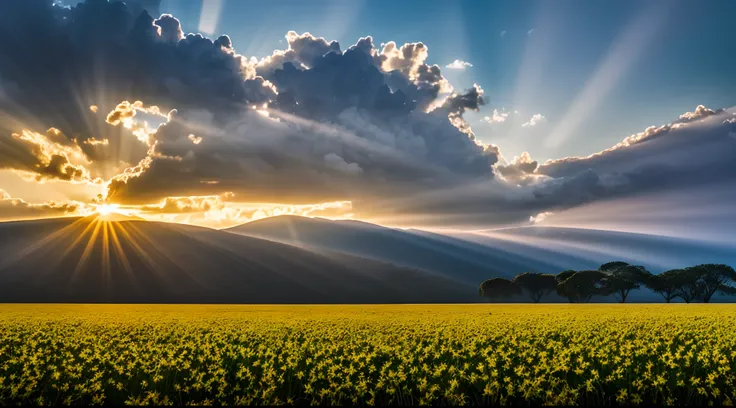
x=93, y=260
x=472, y=257
x=460, y=259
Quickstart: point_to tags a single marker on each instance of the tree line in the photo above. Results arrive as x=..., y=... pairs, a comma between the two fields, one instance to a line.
x=694, y=283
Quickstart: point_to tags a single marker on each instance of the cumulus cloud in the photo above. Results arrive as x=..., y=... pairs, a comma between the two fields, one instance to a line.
x=677, y=157
x=519, y=169
x=700, y=112
x=45, y=156
x=458, y=64
x=497, y=117
x=534, y=120
x=15, y=208
x=673, y=156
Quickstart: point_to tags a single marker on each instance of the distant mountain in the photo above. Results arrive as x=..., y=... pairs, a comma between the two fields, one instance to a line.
x=93, y=260
x=462, y=260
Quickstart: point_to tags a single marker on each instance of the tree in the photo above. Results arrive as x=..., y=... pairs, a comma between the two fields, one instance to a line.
x=623, y=278
x=581, y=286
x=498, y=288
x=612, y=266
x=713, y=278
x=564, y=275
x=536, y=284
x=687, y=282
x=665, y=284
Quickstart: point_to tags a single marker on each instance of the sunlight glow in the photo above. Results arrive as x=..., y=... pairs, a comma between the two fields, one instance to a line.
x=106, y=209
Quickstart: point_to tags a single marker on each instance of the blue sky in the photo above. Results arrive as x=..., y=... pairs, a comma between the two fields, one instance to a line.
x=683, y=56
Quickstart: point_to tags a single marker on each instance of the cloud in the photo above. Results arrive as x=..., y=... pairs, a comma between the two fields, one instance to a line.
x=700, y=112
x=539, y=217
x=16, y=208
x=536, y=119
x=530, y=32
x=45, y=156
x=196, y=130
x=677, y=155
x=503, y=33
x=519, y=169
x=497, y=117
x=457, y=64
x=221, y=212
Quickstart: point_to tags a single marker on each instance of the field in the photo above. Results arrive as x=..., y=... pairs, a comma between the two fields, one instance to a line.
x=414, y=354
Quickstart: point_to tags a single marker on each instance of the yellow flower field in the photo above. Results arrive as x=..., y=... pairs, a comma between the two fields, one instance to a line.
x=402, y=355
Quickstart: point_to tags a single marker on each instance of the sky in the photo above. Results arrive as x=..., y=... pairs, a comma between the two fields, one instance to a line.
x=444, y=114
x=534, y=57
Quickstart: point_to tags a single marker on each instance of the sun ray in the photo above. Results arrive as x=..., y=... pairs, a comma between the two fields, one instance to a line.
x=120, y=254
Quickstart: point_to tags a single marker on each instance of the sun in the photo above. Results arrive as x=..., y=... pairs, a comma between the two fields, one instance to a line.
x=106, y=209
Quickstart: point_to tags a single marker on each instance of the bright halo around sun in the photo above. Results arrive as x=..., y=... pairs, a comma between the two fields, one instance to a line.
x=106, y=209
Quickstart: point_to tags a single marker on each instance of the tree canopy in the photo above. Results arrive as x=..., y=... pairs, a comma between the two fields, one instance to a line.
x=583, y=285
x=665, y=284
x=536, y=285
x=622, y=278
x=498, y=288
x=617, y=278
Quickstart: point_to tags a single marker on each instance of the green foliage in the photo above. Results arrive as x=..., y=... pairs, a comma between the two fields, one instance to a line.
x=536, y=285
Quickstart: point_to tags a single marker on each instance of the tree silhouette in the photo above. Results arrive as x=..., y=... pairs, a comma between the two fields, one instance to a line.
x=713, y=278
x=498, y=288
x=564, y=275
x=665, y=284
x=687, y=284
x=581, y=286
x=536, y=284
x=623, y=278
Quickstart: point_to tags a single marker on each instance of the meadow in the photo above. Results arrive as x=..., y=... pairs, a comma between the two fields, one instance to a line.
x=673, y=354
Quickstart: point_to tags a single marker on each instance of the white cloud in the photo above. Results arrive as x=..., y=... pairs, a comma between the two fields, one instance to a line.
x=458, y=64
x=530, y=32
x=497, y=117
x=539, y=217
x=701, y=111
x=503, y=33
x=535, y=120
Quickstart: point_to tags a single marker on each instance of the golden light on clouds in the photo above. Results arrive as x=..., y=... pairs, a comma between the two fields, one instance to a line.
x=220, y=212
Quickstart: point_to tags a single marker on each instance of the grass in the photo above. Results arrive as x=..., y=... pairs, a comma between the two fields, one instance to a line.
x=388, y=354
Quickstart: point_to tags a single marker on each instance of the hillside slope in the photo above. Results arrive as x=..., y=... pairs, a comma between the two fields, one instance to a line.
x=88, y=260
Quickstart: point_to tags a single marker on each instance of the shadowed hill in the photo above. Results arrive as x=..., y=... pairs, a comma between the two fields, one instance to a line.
x=466, y=261
x=473, y=257
x=89, y=260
